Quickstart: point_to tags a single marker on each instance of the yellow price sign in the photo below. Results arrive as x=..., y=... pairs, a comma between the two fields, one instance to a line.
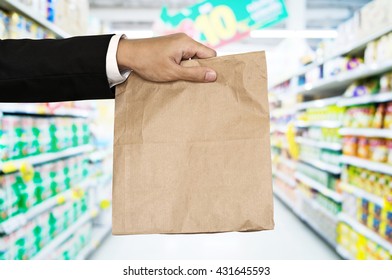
x=60, y=199
x=27, y=171
x=105, y=204
x=290, y=136
x=77, y=193
x=9, y=167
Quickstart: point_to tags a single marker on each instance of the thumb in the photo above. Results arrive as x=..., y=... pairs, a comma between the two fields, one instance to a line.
x=196, y=74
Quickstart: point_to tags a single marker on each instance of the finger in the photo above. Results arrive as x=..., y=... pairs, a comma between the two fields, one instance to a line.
x=197, y=50
x=203, y=51
x=196, y=74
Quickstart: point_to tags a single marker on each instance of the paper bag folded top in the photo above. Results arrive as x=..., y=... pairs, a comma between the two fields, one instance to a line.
x=194, y=157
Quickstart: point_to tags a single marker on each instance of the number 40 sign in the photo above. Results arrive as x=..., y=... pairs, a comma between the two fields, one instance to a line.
x=218, y=22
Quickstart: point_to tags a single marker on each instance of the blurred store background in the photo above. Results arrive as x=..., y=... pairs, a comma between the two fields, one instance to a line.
x=330, y=92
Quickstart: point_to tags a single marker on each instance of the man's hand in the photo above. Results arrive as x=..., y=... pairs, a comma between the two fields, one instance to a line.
x=158, y=59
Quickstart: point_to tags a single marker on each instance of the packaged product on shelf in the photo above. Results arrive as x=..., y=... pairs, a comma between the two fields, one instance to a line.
x=388, y=116
x=373, y=182
x=353, y=63
x=363, y=87
x=375, y=15
x=350, y=145
x=359, y=116
x=378, y=119
x=334, y=67
x=359, y=246
x=313, y=75
x=370, y=55
x=386, y=81
x=363, y=150
x=4, y=22
x=378, y=149
x=320, y=176
x=389, y=148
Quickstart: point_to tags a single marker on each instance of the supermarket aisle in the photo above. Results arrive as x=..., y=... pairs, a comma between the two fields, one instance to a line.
x=291, y=239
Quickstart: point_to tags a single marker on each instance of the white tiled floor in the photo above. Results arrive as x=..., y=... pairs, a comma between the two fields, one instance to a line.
x=291, y=239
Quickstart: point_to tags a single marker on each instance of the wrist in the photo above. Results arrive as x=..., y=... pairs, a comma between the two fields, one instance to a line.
x=123, y=55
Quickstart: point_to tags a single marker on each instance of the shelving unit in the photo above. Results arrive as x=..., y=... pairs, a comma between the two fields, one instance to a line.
x=284, y=178
x=318, y=230
x=319, y=187
x=86, y=190
x=361, y=193
x=323, y=165
x=36, y=110
x=21, y=8
x=14, y=165
x=63, y=236
x=320, y=103
x=367, y=164
x=326, y=124
x=320, y=208
x=375, y=98
x=98, y=235
x=319, y=144
x=367, y=132
x=366, y=231
x=349, y=49
x=343, y=80
x=20, y=220
x=344, y=253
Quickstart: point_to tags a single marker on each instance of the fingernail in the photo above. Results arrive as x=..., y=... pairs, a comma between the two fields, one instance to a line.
x=210, y=76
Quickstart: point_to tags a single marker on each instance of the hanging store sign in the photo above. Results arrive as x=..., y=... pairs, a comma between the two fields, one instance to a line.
x=218, y=22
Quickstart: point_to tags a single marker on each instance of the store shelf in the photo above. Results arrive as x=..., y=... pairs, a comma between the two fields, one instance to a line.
x=367, y=132
x=14, y=165
x=315, y=227
x=280, y=128
x=320, y=103
x=280, y=195
x=374, y=98
x=20, y=220
x=100, y=155
x=344, y=253
x=319, y=187
x=320, y=208
x=367, y=164
x=327, y=124
x=360, y=44
x=57, y=241
x=99, y=233
x=284, y=178
x=323, y=165
x=276, y=113
x=278, y=146
x=351, y=48
x=318, y=144
x=35, y=110
x=365, y=231
x=22, y=9
x=343, y=80
x=361, y=193
x=287, y=162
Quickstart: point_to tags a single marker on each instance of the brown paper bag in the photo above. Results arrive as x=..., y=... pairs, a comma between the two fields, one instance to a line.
x=194, y=157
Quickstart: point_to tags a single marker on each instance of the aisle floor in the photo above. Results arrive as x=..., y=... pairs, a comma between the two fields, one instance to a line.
x=290, y=240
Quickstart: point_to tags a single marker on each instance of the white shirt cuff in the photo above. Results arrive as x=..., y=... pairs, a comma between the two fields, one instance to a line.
x=115, y=76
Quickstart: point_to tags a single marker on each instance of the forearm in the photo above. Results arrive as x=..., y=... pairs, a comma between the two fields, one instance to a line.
x=54, y=70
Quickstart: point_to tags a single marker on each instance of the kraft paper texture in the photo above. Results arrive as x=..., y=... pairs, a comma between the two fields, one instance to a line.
x=194, y=157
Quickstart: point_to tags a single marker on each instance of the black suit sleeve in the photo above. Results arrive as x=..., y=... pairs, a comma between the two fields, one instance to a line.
x=54, y=70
